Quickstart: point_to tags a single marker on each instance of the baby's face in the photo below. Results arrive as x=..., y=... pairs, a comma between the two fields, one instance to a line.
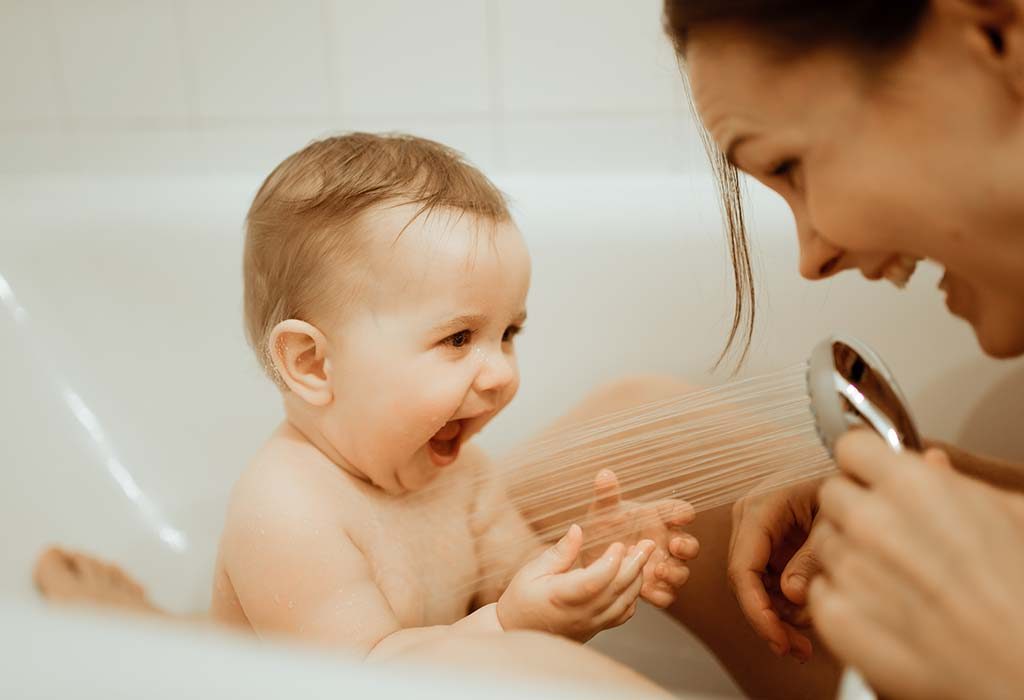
x=428, y=358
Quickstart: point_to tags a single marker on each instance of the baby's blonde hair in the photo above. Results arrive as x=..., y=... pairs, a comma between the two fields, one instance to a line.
x=301, y=242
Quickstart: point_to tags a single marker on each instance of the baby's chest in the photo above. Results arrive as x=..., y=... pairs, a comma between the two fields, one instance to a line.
x=425, y=562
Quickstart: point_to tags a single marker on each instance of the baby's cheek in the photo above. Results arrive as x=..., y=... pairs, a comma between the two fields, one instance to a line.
x=511, y=391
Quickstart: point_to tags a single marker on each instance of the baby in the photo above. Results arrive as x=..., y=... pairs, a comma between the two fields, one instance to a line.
x=385, y=285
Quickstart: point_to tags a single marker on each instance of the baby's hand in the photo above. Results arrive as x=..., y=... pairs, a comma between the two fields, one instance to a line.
x=546, y=595
x=612, y=519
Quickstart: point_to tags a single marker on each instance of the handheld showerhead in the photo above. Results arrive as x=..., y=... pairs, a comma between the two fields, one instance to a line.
x=850, y=386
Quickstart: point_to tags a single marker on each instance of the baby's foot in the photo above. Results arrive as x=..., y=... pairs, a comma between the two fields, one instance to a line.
x=69, y=577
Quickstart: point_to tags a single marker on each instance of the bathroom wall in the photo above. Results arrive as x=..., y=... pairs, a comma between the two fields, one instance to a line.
x=199, y=86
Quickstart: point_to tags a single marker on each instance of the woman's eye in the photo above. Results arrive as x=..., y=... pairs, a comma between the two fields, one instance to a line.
x=786, y=170
x=783, y=169
x=510, y=333
x=459, y=340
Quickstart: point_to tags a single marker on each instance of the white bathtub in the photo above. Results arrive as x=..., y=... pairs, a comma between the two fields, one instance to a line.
x=129, y=401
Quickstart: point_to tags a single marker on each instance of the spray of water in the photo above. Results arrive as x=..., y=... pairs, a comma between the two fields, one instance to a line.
x=707, y=448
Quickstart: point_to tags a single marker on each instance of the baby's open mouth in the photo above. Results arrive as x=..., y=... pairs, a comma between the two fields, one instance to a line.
x=444, y=446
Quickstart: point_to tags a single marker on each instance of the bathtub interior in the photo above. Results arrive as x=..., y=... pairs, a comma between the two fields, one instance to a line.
x=130, y=401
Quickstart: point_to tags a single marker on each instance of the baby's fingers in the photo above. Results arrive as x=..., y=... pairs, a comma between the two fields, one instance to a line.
x=581, y=585
x=632, y=565
x=658, y=594
x=618, y=608
x=672, y=572
x=676, y=513
x=684, y=547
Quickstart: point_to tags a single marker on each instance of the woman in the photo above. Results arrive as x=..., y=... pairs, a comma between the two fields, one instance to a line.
x=895, y=132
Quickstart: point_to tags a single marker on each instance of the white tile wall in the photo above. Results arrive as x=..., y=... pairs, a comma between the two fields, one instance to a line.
x=121, y=61
x=402, y=57
x=258, y=60
x=580, y=56
x=226, y=85
x=29, y=90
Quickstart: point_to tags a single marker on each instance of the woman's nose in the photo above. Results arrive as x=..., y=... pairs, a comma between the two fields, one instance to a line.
x=818, y=258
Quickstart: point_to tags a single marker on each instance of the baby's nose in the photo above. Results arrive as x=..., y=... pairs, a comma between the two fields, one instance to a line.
x=497, y=371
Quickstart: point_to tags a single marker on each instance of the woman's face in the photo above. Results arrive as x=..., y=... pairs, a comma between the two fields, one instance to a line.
x=924, y=159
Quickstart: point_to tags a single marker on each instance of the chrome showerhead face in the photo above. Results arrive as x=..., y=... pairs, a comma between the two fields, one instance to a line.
x=850, y=386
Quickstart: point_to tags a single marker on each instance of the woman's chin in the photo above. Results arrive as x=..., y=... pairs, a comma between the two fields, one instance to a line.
x=1000, y=338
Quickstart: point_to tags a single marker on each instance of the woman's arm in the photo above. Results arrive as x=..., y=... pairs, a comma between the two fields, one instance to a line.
x=997, y=472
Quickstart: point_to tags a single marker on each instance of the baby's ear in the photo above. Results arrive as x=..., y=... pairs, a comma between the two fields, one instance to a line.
x=299, y=352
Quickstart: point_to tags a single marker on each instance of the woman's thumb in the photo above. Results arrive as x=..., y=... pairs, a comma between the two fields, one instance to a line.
x=802, y=567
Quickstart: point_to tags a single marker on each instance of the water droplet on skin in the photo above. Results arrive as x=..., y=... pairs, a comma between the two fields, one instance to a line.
x=291, y=604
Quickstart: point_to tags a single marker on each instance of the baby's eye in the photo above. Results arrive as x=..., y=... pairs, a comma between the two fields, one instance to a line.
x=510, y=333
x=459, y=340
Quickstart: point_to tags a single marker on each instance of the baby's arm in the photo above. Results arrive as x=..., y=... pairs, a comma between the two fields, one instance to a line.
x=504, y=540
x=297, y=572
x=537, y=586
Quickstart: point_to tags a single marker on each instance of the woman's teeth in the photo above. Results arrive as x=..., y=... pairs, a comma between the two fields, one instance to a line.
x=900, y=270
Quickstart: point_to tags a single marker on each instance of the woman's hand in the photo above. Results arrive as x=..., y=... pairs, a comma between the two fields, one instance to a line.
x=772, y=556
x=923, y=575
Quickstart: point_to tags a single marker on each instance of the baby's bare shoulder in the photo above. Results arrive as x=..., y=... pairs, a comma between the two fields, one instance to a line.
x=287, y=486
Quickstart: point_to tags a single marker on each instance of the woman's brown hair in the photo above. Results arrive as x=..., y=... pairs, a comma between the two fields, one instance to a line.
x=872, y=29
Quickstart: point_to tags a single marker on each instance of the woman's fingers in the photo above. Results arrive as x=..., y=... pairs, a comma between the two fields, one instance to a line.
x=892, y=667
x=865, y=457
x=747, y=562
x=802, y=567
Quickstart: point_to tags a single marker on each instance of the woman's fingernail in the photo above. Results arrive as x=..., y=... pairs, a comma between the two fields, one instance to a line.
x=798, y=581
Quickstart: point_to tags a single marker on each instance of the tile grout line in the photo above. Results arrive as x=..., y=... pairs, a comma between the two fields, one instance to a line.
x=64, y=118
x=495, y=83
x=186, y=57
x=330, y=63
